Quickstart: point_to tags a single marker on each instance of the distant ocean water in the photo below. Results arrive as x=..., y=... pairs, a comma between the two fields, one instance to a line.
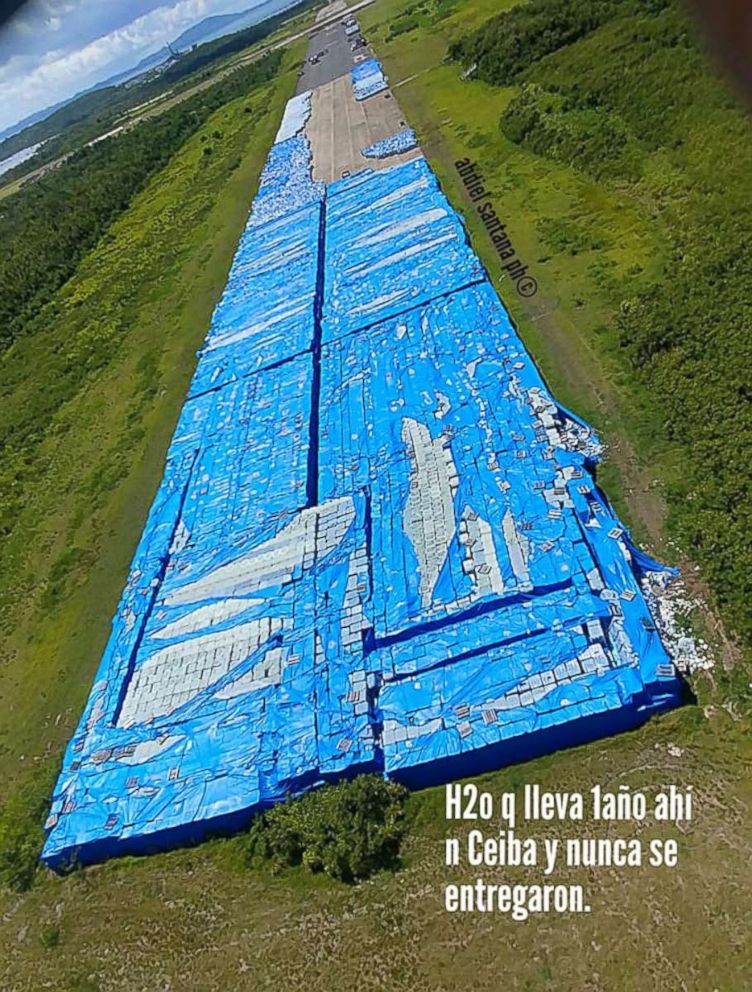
x=9, y=163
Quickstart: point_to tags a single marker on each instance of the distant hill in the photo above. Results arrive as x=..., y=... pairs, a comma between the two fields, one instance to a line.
x=220, y=25
x=50, y=122
x=209, y=29
x=150, y=62
x=32, y=119
x=199, y=34
x=206, y=30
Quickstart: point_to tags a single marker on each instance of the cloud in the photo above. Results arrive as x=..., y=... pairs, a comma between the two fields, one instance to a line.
x=33, y=80
x=29, y=23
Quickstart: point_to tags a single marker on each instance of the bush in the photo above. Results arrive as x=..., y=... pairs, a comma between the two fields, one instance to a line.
x=594, y=140
x=349, y=830
x=50, y=938
x=565, y=235
x=510, y=42
x=22, y=830
x=403, y=25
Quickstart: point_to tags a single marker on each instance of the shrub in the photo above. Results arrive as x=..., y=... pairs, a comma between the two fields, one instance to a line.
x=22, y=830
x=349, y=830
x=403, y=26
x=50, y=937
x=510, y=42
x=594, y=140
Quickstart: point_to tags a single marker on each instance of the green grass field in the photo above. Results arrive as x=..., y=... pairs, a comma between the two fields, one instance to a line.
x=200, y=920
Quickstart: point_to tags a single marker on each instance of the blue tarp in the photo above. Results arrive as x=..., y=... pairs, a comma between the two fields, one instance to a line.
x=392, y=241
x=367, y=79
x=286, y=183
x=377, y=546
x=266, y=314
x=396, y=144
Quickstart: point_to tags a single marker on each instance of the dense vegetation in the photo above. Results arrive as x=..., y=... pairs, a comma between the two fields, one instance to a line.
x=45, y=231
x=421, y=13
x=87, y=107
x=622, y=92
x=589, y=138
x=508, y=44
x=22, y=829
x=349, y=830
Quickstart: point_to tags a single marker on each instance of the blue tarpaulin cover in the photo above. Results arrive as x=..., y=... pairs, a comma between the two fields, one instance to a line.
x=367, y=79
x=377, y=546
x=395, y=144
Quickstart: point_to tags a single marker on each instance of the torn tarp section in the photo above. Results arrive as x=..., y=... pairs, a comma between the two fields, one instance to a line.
x=266, y=313
x=392, y=242
x=378, y=544
x=296, y=115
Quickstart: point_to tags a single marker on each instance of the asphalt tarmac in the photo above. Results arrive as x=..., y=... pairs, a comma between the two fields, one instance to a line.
x=340, y=126
x=336, y=61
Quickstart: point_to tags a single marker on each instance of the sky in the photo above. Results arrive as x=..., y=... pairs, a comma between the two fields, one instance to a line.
x=52, y=49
